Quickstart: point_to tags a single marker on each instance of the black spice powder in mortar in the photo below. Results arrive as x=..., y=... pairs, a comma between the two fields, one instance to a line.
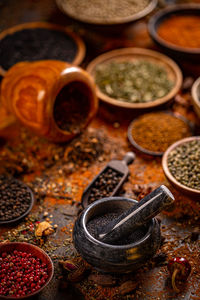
x=36, y=44
x=102, y=220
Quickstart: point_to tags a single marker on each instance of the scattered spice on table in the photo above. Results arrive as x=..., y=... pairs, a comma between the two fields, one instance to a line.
x=157, y=131
x=97, y=11
x=36, y=44
x=183, y=163
x=15, y=197
x=21, y=273
x=104, y=185
x=71, y=108
x=138, y=81
x=181, y=30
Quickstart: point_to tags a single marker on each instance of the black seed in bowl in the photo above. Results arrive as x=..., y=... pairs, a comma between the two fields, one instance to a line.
x=34, y=44
x=16, y=199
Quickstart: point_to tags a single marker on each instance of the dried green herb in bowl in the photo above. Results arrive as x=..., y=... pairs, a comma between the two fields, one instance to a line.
x=135, y=78
x=133, y=81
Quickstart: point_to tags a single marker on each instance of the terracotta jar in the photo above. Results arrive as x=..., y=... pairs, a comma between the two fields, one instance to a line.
x=53, y=98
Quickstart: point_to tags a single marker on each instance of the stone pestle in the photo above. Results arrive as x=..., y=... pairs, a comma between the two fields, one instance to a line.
x=136, y=216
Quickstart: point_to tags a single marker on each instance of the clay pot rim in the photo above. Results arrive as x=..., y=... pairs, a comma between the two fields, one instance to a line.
x=93, y=104
x=135, y=244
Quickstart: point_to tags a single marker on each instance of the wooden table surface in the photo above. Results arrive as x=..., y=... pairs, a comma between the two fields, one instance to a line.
x=59, y=173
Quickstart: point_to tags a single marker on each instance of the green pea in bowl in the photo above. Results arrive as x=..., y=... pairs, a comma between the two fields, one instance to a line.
x=181, y=165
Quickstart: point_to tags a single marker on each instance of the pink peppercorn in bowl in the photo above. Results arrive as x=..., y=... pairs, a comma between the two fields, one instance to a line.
x=32, y=270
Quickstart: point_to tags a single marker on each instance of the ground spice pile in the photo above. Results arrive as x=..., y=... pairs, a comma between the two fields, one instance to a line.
x=134, y=82
x=184, y=164
x=181, y=30
x=157, y=131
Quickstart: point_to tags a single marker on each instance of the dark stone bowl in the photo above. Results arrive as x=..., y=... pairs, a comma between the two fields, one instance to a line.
x=114, y=258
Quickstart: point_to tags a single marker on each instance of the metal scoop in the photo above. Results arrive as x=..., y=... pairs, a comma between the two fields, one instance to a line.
x=136, y=216
x=110, y=185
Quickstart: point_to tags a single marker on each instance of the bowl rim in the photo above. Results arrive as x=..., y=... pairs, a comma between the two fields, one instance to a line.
x=146, y=151
x=38, y=249
x=146, y=236
x=135, y=52
x=81, y=49
x=166, y=170
x=194, y=90
x=164, y=14
x=32, y=201
x=115, y=21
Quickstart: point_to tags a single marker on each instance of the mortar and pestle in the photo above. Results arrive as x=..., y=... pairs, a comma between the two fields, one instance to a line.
x=119, y=235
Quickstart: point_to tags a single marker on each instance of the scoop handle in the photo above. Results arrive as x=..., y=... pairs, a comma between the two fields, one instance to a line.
x=128, y=158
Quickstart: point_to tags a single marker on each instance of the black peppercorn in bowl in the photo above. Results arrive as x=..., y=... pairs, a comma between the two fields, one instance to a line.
x=32, y=273
x=126, y=255
x=181, y=166
x=17, y=200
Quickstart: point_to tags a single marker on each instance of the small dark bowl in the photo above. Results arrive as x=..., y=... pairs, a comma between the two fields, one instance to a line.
x=32, y=200
x=37, y=252
x=114, y=258
x=171, y=49
x=149, y=152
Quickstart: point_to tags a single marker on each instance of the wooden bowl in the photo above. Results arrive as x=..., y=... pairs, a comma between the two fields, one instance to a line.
x=35, y=251
x=169, y=48
x=109, y=20
x=32, y=200
x=78, y=41
x=196, y=96
x=190, y=191
x=146, y=151
x=133, y=54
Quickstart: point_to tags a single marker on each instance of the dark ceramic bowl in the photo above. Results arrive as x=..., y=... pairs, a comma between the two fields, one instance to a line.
x=149, y=152
x=171, y=49
x=32, y=200
x=35, y=251
x=114, y=258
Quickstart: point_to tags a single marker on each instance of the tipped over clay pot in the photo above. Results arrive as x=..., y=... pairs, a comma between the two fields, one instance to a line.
x=122, y=257
x=52, y=98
